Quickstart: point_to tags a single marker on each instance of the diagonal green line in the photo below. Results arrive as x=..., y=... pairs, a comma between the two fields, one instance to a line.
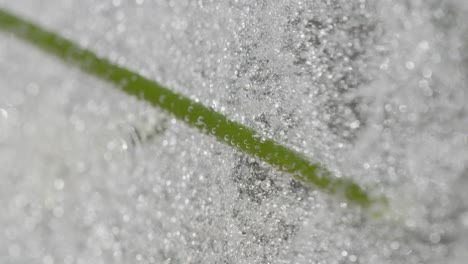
x=192, y=113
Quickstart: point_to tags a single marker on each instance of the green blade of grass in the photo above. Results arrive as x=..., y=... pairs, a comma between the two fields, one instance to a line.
x=192, y=113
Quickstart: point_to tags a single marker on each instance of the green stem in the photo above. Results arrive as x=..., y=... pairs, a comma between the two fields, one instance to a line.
x=194, y=114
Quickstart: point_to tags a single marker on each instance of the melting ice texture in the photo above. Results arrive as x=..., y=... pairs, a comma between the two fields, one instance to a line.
x=376, y=90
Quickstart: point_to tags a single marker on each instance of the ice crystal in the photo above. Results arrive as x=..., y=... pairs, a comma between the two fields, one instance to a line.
x=376, y=90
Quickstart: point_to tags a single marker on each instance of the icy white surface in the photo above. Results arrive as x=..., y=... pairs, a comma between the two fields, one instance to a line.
x=376, y=90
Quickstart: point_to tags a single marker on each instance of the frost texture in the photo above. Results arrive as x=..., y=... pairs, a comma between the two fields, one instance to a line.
x=376, y=90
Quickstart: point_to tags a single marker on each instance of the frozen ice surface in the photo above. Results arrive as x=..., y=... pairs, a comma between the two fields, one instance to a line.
x=376, y=90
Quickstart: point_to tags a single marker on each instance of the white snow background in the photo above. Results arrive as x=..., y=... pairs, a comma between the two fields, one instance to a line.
x=376, y=90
